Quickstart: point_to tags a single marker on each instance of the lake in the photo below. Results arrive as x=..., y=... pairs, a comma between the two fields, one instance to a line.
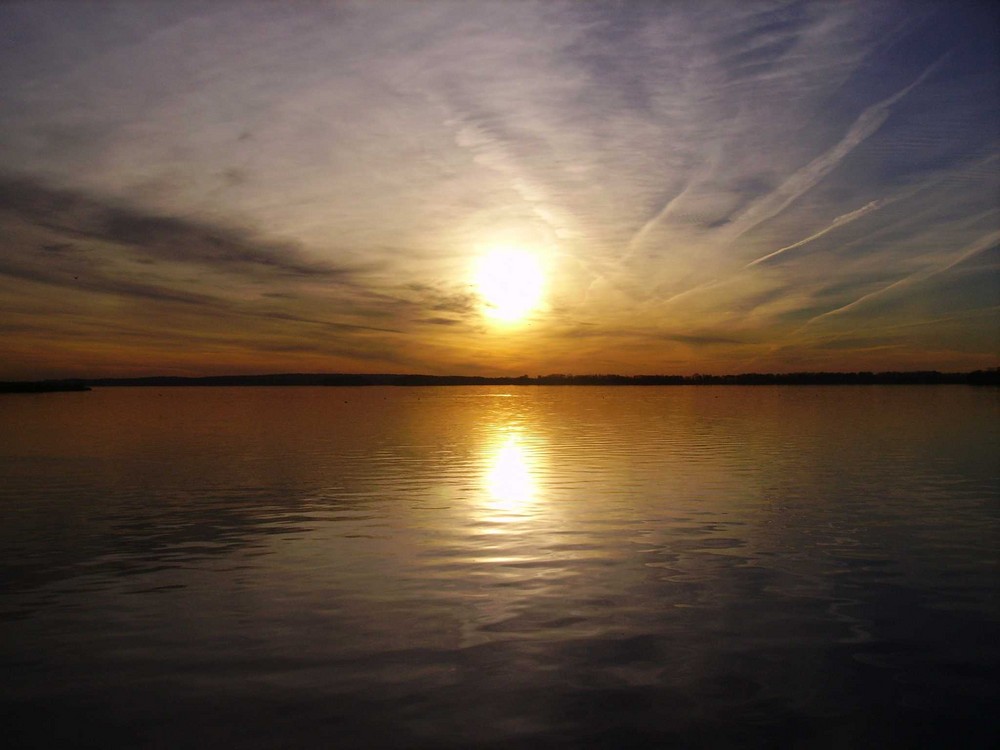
x=488, y=567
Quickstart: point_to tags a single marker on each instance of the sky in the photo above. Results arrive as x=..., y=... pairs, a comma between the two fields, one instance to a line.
x=716, y=187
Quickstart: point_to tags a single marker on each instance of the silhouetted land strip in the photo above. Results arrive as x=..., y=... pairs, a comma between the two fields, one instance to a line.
x=43, y=386
x=922, y=377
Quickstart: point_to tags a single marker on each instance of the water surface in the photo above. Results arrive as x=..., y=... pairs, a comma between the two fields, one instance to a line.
x=501, y=567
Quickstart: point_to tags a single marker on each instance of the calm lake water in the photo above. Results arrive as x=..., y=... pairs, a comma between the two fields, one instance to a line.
x=501, y=567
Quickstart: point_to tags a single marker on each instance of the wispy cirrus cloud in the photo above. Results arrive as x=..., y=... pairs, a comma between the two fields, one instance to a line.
x=989, y=241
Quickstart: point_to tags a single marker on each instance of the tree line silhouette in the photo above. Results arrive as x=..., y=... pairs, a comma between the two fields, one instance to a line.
x=918, y=377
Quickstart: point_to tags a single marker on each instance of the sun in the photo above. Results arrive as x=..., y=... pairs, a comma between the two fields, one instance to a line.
x=511, y=282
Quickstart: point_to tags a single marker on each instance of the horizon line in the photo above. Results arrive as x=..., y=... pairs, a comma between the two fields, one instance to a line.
x=987, y=376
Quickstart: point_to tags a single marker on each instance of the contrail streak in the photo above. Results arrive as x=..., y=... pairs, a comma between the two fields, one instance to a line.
x=838, y=222
x=983, y=243
x=864, y=127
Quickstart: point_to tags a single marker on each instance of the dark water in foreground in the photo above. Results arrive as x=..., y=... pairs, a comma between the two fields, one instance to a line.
x=493, y=568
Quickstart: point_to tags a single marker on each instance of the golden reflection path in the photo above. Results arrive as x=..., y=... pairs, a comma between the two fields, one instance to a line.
x=513, y=523
x=510, y=478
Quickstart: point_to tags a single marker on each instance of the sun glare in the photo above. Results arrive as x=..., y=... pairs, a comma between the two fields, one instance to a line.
x=509, y=480
x=510, y=281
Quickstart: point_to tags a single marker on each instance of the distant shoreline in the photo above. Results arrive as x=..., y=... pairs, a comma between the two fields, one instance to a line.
x=919, y=377
x=43, y=386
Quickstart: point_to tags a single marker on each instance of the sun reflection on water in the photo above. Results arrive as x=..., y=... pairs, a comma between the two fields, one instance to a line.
x=510, y=479
x=512, y=532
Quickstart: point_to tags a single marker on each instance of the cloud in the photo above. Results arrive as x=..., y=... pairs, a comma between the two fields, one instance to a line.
x=172, y=239
x=441, y=321
x=838, y=222
x=982, y=244
x=867, y=123
x=647, y=334
x=96, y=282
x=113, y=273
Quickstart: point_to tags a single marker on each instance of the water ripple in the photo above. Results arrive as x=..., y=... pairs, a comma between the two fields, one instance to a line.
x=560, y=567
